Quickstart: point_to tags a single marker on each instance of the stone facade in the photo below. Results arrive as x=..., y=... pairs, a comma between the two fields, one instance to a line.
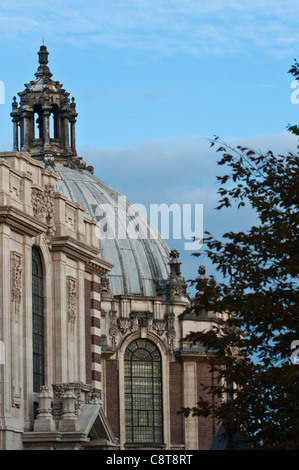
x=86, y=329
x=33, y=214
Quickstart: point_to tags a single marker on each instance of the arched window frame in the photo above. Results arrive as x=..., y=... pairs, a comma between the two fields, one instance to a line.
x=38, y=320
x=143, y=393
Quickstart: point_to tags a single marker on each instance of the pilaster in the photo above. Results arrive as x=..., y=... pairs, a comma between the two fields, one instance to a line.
x=60, y=324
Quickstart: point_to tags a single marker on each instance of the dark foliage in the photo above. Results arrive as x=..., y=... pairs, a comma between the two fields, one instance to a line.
x=251, y=346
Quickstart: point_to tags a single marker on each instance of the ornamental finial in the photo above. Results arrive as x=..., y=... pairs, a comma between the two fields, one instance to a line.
x=43, y=55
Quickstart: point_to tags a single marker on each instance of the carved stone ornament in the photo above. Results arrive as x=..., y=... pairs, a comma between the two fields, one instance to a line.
x=16, y=282
x=43, y=207
x=113, y=330
x=159, y=326
x=135, y=323
x=72, y=301
x=77, y=163
x=141, y=321
x=171, y=334
x=105, y=287
x=16, y=393
x=174, y=289
x=83, y=394
x=124, y=325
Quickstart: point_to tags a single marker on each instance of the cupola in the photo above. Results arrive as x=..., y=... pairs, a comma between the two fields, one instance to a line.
x=44, y=121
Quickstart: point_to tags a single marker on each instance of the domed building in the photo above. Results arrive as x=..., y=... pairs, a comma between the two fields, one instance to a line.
x=92, y=311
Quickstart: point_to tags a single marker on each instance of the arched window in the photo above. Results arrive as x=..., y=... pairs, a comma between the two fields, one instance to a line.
x=54, y=130
x=143, y=393
x=38, y=321
x=38, y=122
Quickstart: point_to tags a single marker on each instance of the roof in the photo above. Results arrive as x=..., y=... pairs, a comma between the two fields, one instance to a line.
x=139, y=260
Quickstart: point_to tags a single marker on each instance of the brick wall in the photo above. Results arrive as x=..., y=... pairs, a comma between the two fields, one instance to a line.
x=175, y=398
x=95, y=315
x=93, y=335
x=112, y=387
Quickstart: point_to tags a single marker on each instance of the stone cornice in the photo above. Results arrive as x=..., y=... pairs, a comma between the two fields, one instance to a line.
x=202, y=317
x=74, y=249
x=24, y=156
x=21, y=222
x=157, y=298
x=107, y=352
x=196, y=355
x=100, y=267
x=41, y=439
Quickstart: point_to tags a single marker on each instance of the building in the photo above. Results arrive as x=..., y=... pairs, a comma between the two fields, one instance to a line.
x=91, y=326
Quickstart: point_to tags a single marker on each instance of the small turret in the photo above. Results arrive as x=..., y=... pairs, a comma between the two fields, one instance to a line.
x=46, y=119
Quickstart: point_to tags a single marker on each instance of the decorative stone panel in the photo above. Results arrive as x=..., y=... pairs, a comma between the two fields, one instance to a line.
x=16, y=283
x=43, y=207
x=71, y=284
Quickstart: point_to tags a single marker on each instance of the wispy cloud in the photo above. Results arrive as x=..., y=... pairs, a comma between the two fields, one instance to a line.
x=166, y=27
x=176, y=169
x=180, y=170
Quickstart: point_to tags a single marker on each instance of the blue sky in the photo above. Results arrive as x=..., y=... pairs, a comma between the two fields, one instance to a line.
x=153, y=81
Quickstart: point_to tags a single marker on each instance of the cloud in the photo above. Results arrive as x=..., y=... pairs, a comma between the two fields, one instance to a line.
x=164, y=27
x=180, y=162
x=180, y=171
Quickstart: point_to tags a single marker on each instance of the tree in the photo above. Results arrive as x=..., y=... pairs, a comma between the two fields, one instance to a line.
x=251, y=344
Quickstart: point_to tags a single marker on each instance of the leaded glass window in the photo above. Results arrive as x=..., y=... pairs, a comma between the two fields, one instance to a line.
x=143, y=393
x=37, y=320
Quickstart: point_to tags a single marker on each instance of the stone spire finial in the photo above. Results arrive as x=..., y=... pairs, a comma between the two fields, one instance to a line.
x=43, y=69
x=43, y=55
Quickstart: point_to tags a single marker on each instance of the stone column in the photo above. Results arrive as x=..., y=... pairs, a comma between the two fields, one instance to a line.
x=15, y=119
x=66, y=133
x=73, y=135
x=15, y=136
x=46, y=117
x=73, y=121
x=26, y=131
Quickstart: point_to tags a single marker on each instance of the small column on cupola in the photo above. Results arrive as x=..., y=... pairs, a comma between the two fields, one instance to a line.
x=46, y=115
x=65, y=114
x=73, y=121
x=25, y=128
x=15, y=119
